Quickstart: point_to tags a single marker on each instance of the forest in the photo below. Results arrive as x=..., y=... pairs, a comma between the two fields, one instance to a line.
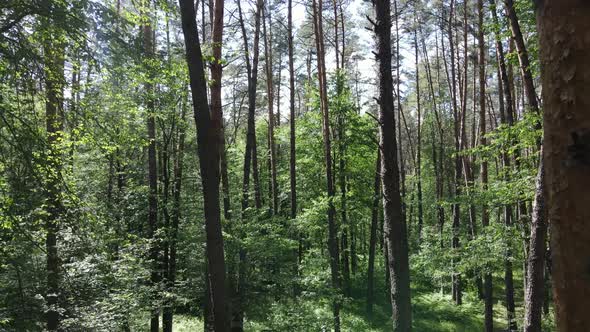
x=307, y=165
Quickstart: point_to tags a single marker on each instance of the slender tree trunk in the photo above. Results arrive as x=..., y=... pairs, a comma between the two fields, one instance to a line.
x=401, y=161
x=251, y=155
x=523, y=57
x=456, y=289
x=332, y=229
x=565, y=71
x=292, y=133
x=148, y=49
x=535, y=286
x=54, y=51
x=419, y=130
x=394, y=226
x=274, y=193
x=436, y=160
x=373, y=237
x=176, y=214
x=485, y=218
x=208, y=131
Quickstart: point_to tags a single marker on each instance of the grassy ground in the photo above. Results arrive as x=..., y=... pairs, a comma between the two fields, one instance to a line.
x=432, y=311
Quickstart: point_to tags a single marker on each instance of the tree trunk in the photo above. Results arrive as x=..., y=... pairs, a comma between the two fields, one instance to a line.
x=485, y=218
x=274, y=193
x=148, y=49
x=176, y=213
x=523, y=57
x=332, y=229
x=54, y=52
x=456, y=284
x=419, y=130
x=394, y=226
x=373, y=237
x=535, y=290
x=208, y=131
x=251, y=155
x=565, y=71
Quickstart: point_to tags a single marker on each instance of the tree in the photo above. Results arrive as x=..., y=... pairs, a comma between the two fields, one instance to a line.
x=208, y=131
x=394, y=225
x=536, y=261
x=332, y=229
x=54, y=119
x=251, y=155
x=565, y=72
x=274, y=192
x=485, y=218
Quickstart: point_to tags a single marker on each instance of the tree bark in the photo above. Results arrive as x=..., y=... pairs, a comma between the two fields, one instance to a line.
x=208, y=132
x=373, y=237
x=148, y=49
x=176, y=214
x=523, y=57
x=564, y=35
x=332, y=229
x=535, y=290
x=394, y=225
x=485, y=218
x=419, y=133
x=274, y=192
x=251, y=155
x=54, y=52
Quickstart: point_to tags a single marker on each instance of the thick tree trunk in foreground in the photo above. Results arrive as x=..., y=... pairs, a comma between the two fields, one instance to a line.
x=394, y=226
x=564, y=35
x=208, y=131
x=332, y=229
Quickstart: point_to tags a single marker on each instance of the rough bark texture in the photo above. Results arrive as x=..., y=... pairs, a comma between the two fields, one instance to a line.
x=564, y=35
x=332, y=229
x=208, y=131
x=535, y=286
x=394, y=226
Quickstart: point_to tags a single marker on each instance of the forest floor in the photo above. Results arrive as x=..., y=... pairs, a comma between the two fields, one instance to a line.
x=432, y=311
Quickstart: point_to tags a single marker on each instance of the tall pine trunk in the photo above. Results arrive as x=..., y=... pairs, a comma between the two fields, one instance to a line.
x=208, y=133
x=394, y=226
x=332, y=229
